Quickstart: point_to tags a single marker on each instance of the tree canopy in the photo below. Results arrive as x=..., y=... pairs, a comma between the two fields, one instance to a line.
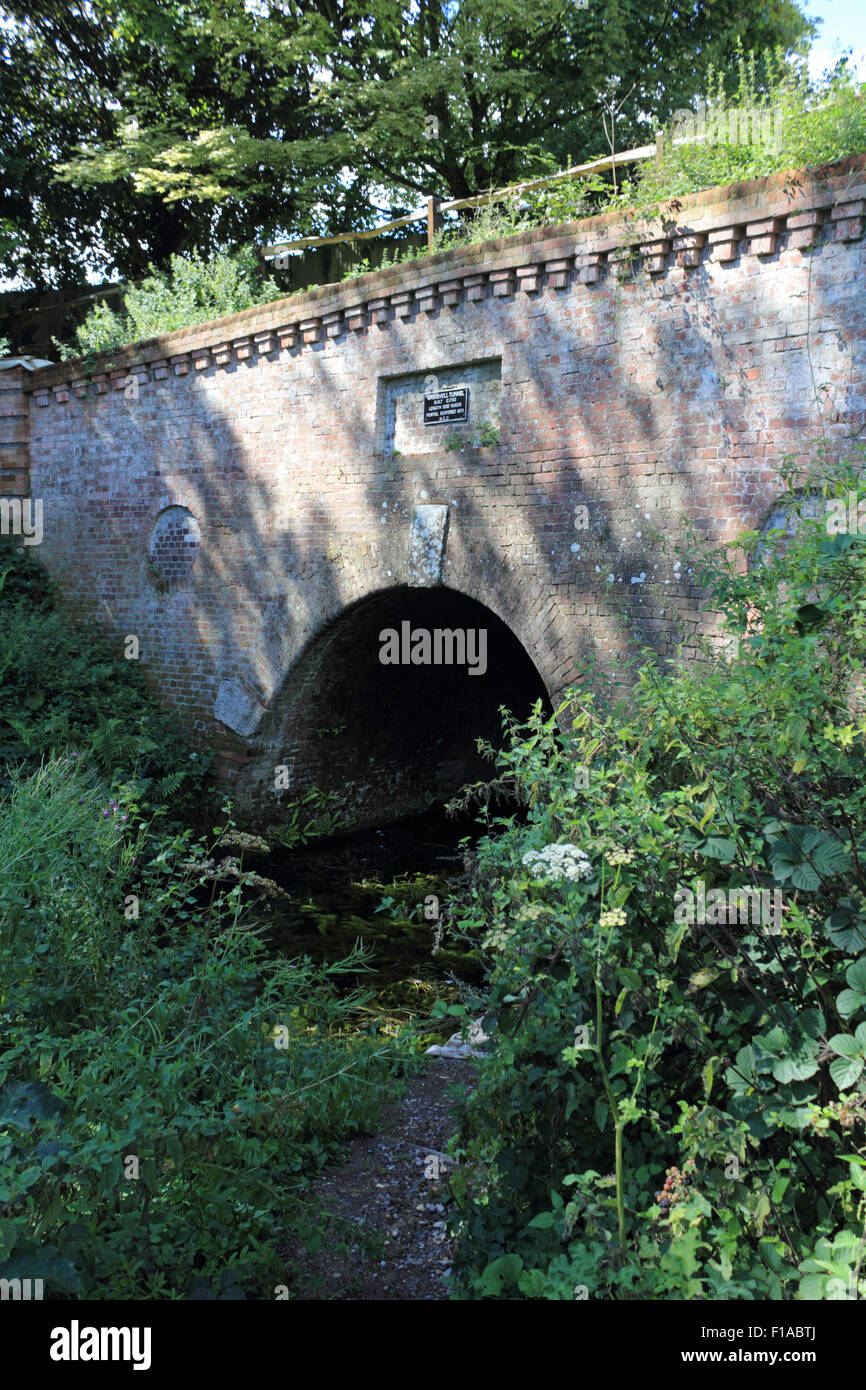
x=133, y=130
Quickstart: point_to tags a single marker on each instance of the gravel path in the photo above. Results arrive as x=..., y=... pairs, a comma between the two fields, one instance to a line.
x=392, y=1188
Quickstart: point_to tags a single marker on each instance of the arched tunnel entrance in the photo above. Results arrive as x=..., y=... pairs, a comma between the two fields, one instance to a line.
x=386, y=705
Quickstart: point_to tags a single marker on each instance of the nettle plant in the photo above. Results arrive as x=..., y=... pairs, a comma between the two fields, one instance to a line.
x=674, y=1103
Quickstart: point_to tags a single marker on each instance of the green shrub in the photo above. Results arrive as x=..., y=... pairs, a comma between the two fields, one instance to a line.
x=167, y=1085
x=192, y=291
x=631, y=1043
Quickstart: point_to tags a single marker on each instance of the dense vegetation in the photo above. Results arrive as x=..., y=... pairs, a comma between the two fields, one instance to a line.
x=813, y=123
x=674, y=1108
x=167, y=1085
x=61, y=689
x=133, y=130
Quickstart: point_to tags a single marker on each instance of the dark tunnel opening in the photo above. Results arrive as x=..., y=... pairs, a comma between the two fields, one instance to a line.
x=397, y=736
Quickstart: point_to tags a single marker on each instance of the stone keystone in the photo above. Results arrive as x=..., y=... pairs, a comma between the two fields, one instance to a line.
x=427, y=535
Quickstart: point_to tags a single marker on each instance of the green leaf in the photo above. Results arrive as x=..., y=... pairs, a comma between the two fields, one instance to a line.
x=674, y=938
x=850, y=1001
x=717, y=847
x=858, y=1173
x=780, y=1187
x=769, y=1250
x=811, y=1287
x=502, y=1271
x=47, y=1264
x=845, y=1046
x=828, y=854
x=543, y=1221
x=707, y=1078
x=774, y=1042
x=23, y=1101
x=807, y=856
x=845, y=927
x=739, y=1077
x=810, y=615
x=845, y=1071
x=803, y=876
x=28, y=1178
x=797, y=1068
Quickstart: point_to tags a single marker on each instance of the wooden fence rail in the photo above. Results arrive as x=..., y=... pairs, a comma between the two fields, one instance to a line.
x=434, y=207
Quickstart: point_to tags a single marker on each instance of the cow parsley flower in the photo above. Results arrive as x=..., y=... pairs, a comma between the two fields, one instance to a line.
x=620, y=856
x=562, y=860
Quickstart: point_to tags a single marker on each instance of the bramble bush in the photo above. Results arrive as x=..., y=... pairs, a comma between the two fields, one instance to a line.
x=670, y=1107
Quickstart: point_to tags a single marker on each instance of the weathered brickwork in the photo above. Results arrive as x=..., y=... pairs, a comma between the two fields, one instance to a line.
x=14, y=432
x=648, y=372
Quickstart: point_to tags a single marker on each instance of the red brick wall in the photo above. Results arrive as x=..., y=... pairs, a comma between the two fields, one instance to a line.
x=14, y=432
x=648, y=371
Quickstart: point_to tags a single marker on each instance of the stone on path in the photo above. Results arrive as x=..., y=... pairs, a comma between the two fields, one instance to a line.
x=458, y=1047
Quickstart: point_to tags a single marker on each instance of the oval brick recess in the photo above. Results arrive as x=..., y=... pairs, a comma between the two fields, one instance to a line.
x=174, y=545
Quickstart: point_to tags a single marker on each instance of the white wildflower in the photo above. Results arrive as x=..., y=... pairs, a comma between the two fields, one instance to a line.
x=620, y=856
x=239, y=839
x=562, y=860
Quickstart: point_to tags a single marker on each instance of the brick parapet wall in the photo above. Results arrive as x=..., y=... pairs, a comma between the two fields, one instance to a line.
x=791, y=209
